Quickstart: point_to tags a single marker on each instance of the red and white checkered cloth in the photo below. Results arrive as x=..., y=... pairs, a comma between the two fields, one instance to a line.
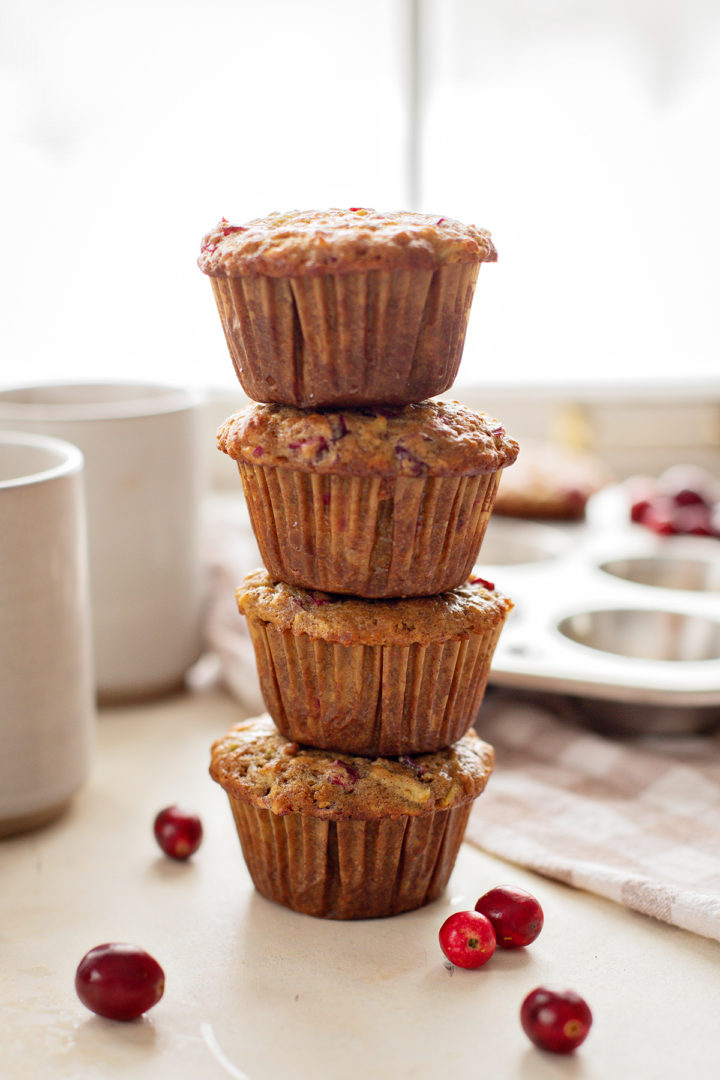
x=634, y=820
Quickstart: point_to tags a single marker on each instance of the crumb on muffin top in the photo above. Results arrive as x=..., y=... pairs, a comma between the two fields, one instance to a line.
x=471, y=608
x=334, y=241
x=255, y=764
x=437, y=438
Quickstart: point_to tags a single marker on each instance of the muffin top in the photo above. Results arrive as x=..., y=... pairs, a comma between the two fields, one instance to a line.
x=551, y=482
x=315, y=242
x=254, y=763
x=439, y=438
x=472, y=608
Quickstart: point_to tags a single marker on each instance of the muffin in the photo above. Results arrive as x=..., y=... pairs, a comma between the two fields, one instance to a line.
x=372, y=677
x=345, y=307
x=551, y=483
x=344, y=837
x=374, y=502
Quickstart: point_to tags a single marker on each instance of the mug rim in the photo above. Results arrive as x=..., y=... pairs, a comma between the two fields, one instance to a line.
x=110, y=399
x=70, y=458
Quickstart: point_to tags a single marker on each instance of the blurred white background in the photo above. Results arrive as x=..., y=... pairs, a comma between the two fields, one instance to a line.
x=583, y=133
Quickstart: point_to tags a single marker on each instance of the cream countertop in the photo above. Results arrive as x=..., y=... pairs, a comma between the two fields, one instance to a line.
x=256, y=991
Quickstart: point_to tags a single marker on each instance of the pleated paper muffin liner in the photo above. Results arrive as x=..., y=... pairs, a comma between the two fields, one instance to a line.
x=380, y=337
x=368, y=536
x=372, y=700
x=352, y=868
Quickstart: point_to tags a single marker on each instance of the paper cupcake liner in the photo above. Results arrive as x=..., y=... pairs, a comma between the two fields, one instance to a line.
x=372, y=700
x=350, y=869
x=390, y=337
x=368, y=536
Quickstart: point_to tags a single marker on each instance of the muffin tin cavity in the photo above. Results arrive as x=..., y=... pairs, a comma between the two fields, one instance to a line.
x=623, y=620
x=668, y=572
x=507, y=545
x=645, y=634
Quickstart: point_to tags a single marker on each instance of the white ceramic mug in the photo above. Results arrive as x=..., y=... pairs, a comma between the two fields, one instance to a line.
x=47, y=700
x=144, y=477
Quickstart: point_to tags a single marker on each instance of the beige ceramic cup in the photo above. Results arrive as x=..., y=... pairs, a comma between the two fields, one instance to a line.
x=144, y=478
x=47, y=703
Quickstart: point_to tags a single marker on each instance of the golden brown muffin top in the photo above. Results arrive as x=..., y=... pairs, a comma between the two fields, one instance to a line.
x=254, y=763
x=551, y=482
x=437, y=438
x=314, y=242
x=471, y=608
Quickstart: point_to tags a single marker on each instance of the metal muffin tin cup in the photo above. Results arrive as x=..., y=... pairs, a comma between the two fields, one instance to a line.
x=608, y=613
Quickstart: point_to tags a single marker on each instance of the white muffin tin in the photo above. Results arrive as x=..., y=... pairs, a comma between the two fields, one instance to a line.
x=611, y=614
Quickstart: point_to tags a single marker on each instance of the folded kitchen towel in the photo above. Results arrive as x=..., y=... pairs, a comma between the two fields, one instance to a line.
x=230, y=552
x=634, y=820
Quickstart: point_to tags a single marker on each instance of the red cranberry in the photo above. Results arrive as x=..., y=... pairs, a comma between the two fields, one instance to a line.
x=555, y=1020
x=660, y=516
x=576, y=499
x=688, y=485
x=689, y=497
x=515, y=914
x=693, y=519
x=178, y=831
x=120, y=982
x=228, y=229
x=638, y=509
x=641, y=491
x=343, y=774
x=467, y=939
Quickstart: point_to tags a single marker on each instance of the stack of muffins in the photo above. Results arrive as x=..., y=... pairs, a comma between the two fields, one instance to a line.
x=369, y=503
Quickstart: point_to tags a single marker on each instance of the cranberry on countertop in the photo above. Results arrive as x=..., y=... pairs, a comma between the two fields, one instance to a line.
x=178, y=831
x=467, y=939
x=555, y=1020
x=515, y=914
x=118, y=981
